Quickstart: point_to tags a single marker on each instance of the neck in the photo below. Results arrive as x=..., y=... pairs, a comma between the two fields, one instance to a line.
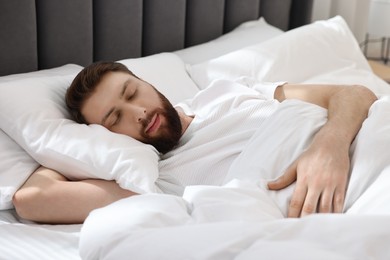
x=185, y=120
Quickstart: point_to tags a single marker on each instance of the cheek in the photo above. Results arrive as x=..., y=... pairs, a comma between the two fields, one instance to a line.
x=153, y=97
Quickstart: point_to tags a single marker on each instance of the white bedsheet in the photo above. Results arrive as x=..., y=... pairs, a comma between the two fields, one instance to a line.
x=243, y=220
x=20, y=240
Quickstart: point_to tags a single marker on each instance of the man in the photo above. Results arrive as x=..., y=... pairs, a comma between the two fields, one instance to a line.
x=109, y=94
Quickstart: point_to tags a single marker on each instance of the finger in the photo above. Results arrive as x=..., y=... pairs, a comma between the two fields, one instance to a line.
x=311, y=202
x=297, y=200
x=326, y=202
x=338, y=200
x=288, y=177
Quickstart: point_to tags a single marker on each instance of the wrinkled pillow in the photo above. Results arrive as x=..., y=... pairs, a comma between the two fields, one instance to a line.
x=34, y=114
x=320, y=48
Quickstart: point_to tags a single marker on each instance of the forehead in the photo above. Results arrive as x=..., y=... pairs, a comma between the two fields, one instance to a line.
x=113, y=80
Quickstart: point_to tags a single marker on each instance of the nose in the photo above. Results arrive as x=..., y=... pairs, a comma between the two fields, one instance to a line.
x=141, y=114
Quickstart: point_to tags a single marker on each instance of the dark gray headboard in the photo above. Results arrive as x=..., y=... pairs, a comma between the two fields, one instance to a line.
x=40, y=34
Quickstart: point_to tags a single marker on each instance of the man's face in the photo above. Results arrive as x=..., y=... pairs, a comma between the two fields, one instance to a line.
x=127, y=105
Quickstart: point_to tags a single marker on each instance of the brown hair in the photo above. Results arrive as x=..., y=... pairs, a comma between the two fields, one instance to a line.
x=85, y=83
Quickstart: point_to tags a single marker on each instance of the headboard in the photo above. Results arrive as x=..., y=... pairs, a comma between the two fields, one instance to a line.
x=41, y=34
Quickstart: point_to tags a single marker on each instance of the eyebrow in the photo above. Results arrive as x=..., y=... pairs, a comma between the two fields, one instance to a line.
x=124, y=87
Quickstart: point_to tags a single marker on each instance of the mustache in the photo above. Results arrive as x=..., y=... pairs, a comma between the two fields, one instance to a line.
x=149, y=116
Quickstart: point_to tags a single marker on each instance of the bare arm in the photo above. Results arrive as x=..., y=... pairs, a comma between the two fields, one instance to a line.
x=321, y=172
x=49, y=197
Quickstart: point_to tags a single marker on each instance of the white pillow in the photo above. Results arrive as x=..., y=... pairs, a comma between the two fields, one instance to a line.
x=296, y=56
x=15, y=164
x=15, y=167
x=246, y=34
x=65, y=70
x=33, y=113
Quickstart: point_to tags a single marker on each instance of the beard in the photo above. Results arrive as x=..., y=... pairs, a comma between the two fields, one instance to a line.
x=170, y=132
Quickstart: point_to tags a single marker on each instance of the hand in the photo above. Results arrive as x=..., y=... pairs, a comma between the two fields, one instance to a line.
x=321, y=173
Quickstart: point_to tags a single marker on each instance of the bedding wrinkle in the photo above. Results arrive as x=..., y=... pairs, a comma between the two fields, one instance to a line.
x=277, y=144
x=224, y=122
x=369, y=162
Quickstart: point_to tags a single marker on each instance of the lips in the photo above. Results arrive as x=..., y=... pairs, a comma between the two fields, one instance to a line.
x=154, y=124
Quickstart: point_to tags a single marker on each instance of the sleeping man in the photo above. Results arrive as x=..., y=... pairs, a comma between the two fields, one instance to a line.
x=199, y=140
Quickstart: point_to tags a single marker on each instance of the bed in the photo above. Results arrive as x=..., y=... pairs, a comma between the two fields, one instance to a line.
x=181, y=47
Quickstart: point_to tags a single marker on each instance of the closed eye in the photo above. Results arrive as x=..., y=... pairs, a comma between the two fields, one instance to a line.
x=132, y=95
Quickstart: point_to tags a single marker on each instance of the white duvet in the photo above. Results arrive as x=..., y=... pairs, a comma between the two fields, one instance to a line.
x=243, y=220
